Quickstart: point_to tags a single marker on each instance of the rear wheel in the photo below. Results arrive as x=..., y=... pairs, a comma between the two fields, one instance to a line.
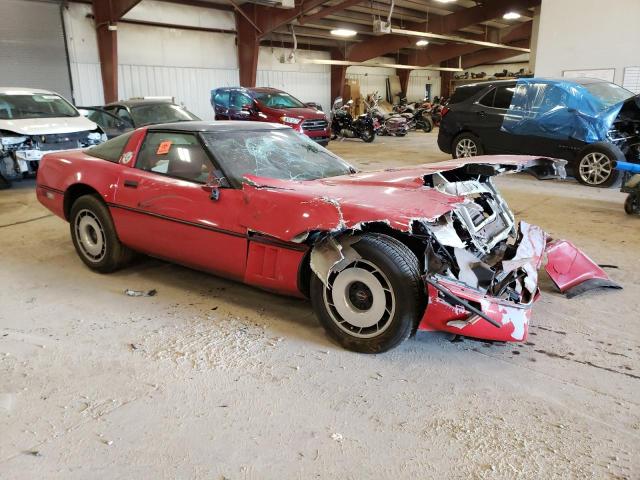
x=427, y=126
x=595, y=165
x=373, y=304
x=4, y=183
x=368, y=135
x=467, y=145
x=94, y=235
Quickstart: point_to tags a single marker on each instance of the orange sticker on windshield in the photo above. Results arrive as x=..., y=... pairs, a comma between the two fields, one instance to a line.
x=164, y=147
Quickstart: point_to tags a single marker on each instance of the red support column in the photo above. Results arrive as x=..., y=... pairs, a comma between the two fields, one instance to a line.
x=108, y=51
x=248, y=44
x=338, y=75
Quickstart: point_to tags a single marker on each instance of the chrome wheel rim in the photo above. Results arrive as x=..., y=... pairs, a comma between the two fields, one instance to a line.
x=90, y=236
x=466, y=148
x=360, y=300
x=595, y=168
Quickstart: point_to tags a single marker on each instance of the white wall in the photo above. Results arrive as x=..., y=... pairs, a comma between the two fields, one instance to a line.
x=84, y=61
x=587, y=34
x=184, y=64
x=417, y=81
x=307, y=82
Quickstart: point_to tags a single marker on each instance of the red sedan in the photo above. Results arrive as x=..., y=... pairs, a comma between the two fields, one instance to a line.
x=380, y=254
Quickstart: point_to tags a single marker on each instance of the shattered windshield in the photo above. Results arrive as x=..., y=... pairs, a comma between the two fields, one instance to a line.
x=154, y=113
x=19, y=106
x=283, y=154
x=279, y=100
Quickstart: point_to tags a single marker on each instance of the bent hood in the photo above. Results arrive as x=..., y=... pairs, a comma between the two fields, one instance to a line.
x=46, y=126
x=289, y=210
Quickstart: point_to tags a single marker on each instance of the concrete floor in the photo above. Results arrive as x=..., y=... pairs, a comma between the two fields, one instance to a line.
x=212, y=379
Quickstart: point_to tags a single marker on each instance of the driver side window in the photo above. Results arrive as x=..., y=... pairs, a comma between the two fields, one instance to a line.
x=239, y=100
x=177, y=155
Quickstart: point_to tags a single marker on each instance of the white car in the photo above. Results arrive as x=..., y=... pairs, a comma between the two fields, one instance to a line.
x=34, y=122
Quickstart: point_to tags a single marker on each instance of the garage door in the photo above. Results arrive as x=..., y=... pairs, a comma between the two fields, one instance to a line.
x=32, y=48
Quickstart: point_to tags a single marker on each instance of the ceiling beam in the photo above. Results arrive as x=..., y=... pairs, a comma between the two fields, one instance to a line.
x=434, y=54
x=322, y=13
x=490, y=55
x=444, y=24
x=268, y=19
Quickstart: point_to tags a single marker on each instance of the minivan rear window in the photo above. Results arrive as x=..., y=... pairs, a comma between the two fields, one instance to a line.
x=463, y=93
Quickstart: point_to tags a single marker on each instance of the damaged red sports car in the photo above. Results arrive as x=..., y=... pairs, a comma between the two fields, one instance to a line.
x=380, y=254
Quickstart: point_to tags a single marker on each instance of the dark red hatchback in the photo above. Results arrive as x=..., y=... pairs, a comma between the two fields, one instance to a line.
x=271, y=105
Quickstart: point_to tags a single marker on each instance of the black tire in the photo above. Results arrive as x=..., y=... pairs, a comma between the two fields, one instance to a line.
x=427, y=127
x=466, y=142
x=368, y=135
x=402, y=134
x=632, y=204
x=390, y=263
x=4, y=183
x=94, y=235
x=594, y=165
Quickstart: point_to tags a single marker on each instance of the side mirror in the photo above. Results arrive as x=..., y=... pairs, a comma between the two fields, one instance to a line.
x=212, y=187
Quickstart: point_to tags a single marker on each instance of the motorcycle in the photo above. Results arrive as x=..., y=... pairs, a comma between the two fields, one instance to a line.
x=417, y=114
x=385, y=123
x=343, y=125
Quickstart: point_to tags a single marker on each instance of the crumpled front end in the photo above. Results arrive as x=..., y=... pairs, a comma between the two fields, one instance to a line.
x=481, y=270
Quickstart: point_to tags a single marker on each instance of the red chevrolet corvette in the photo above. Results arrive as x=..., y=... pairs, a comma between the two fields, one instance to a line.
x=380, y=254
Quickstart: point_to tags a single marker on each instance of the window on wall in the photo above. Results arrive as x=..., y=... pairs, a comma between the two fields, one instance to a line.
x=178, y=155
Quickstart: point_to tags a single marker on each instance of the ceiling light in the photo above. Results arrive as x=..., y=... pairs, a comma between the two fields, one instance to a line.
x=511, y=16
x=422, y=43
x=343, y=32
x=446, y=1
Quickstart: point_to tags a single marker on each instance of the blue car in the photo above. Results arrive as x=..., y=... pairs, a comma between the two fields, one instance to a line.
x=588, y=122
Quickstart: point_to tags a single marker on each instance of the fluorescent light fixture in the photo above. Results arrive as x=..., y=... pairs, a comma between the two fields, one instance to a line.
x=446, y=1
x=319, y=61
x=511, y=16
x=422, y=43
x=343, y=32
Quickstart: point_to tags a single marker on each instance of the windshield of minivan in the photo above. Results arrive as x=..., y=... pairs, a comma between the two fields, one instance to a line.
x=608, y=93
x=279, y=100
x=155, y=113
x=283, y=154
x=22, y=105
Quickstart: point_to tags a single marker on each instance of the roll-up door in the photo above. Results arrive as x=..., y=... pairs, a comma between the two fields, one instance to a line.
x=32, y=46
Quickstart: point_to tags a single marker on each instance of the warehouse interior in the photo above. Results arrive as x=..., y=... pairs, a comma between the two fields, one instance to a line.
x=165, y=367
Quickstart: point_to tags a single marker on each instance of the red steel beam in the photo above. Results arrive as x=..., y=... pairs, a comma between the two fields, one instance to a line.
x=444, y=24
x=106, y=13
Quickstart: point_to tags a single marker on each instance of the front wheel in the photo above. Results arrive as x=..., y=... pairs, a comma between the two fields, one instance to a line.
x=373, y=304
x=368, y=135
x=94, y=235
x=427, y=127
x=632, y=204
x=594, y=166
x=467, y=145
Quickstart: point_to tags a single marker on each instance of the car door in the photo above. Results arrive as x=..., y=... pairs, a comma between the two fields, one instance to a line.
x=166, y=211
x=240, y=106
x=110, y=124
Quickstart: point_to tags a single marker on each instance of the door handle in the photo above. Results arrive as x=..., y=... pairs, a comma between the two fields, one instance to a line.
x=131, y=184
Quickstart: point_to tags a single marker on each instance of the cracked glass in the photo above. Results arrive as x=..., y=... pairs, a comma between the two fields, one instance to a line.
x=282, y=154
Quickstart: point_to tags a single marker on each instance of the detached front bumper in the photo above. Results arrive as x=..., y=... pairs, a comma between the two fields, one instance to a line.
x=570, y=269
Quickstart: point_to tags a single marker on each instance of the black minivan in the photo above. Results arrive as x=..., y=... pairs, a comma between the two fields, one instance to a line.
x=588, y=122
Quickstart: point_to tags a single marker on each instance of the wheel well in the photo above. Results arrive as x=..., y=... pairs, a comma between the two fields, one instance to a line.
x=414, y=244
x=74, y=192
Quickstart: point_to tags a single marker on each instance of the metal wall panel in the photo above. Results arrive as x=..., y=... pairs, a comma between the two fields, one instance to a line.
x=305, y=86
x=32, y=48
x=190, y=86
